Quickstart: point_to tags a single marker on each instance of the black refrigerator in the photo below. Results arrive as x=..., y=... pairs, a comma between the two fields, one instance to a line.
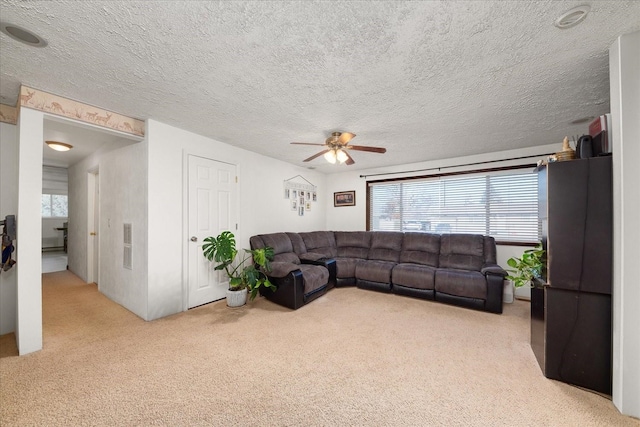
x=571, y=311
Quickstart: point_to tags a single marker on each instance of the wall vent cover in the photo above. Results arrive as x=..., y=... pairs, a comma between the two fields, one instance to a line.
x=128, y=252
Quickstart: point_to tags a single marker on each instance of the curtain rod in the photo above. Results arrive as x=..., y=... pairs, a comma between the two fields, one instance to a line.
x=456, y=166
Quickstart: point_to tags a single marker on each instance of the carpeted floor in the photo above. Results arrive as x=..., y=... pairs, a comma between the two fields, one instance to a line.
x=351, y=358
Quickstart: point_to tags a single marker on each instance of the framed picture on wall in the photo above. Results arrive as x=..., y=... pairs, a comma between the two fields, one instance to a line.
x=344, y=198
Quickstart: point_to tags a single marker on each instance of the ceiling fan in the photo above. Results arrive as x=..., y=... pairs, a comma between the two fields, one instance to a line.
x=337, y=146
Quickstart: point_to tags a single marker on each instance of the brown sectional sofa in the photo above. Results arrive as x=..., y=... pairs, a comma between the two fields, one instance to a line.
x=454, y=268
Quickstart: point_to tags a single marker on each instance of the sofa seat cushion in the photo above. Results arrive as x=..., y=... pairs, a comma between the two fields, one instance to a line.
x=346, y=267
x=414, y=276
x=282, y=269
x=315, y=276
x=375, y=271
x=462, y=283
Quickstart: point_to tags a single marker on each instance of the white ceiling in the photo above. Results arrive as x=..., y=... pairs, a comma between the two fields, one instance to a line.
x=85, y=140
x=426, y=80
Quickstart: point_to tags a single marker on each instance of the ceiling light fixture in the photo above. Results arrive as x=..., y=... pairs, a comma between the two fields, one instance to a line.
x=341, y=156
x=330, y=156
x=572, y=17
x=22, y=35
x=59, y=146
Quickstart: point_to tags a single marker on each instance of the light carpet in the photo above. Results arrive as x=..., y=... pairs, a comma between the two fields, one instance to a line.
x=350, y=358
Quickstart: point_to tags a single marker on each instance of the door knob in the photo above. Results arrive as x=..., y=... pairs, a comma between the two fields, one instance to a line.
x=194, y=239
x=93, y=233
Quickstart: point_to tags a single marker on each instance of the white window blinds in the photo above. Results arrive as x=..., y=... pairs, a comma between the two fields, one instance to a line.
x=500, y=204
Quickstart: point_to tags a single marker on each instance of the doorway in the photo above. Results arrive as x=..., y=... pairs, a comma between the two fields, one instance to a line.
x=212, y=195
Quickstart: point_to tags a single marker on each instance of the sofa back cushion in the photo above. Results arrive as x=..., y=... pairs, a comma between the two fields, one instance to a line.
x=282, y=247
x=385, y=246
x=462, y=251
x=298, y=244
x=353, y=244
x=320, y=242
x=420, y=248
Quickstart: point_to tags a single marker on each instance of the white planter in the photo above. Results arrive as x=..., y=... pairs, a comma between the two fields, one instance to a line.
x=507, y=296
x=236, y=298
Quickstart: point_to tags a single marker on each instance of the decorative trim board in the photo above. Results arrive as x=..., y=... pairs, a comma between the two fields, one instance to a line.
x=54, y=104
x=8, y=114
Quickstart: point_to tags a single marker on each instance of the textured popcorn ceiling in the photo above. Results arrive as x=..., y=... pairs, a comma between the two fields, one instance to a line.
x=426, y=80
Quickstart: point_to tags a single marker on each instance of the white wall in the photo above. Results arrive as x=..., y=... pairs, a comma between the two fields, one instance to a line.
x=29, y=236
x=123, y=199
x=8, y=206
x=262, y=209
x=624, y=71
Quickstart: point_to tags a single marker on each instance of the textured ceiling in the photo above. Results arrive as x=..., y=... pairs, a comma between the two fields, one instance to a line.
x=426, y=80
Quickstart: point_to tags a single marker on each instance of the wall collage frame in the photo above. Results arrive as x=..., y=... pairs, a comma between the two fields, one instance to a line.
x=301, y=196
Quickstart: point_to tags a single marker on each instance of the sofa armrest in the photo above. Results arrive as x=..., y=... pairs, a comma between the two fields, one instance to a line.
x=289, y=290
x=282, y=269
x=493, y=269
x=495, y=291
x=311, y=256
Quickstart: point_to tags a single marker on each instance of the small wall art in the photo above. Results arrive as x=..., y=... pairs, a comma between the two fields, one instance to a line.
x=344, y=198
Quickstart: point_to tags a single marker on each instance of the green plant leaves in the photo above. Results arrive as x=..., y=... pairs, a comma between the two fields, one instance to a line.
x=222, y=250
x=526, y=268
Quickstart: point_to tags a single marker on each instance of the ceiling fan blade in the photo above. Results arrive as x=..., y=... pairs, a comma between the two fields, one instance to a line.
x=307, y=143
x=345, y=137
x=315, y=155
x=349, y=160
x=366, y=148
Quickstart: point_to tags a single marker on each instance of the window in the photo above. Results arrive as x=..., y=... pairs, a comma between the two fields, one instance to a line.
x=55, y=206
x=502, y=204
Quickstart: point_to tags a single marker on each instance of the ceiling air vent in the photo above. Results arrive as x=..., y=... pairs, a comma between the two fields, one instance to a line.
x=128, y=255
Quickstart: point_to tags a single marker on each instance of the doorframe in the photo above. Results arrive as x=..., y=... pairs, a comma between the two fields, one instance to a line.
x=216, y=157
x=93, y=180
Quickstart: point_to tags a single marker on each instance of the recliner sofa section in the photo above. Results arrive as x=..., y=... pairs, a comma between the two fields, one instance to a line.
x=458, y=269
x=298, y=281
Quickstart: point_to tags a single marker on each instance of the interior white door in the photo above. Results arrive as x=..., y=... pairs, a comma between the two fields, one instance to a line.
x=212, y=197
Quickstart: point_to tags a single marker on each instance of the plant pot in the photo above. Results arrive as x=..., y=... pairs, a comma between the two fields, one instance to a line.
x=236, y=298
x=507, y=295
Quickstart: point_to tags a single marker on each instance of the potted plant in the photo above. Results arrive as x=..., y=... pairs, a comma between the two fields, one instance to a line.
x=527, y=268
x=245, y=275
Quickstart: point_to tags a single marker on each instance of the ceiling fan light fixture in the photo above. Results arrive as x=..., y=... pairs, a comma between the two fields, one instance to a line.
x=341, y=156
x=330, y=156
x=59, y=146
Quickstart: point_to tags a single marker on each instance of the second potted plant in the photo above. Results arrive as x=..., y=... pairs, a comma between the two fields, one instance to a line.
x=530, y=266
x=246, y=275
